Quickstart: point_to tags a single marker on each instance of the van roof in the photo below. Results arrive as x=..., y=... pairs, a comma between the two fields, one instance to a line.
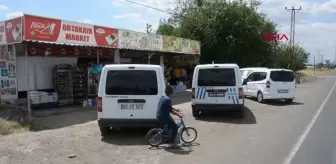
x=249, y=68
x=279, y=69
x=132, y=65
x=219, y=65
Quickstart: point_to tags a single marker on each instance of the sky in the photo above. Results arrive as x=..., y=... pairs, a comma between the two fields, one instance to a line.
x=315, y=23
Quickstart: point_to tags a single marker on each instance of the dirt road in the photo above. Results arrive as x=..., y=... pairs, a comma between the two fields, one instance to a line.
x=266, y=135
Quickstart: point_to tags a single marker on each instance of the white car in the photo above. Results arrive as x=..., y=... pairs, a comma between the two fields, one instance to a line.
x=266, y=84
x=128, y=96
x=246, y=71
x=217, y=87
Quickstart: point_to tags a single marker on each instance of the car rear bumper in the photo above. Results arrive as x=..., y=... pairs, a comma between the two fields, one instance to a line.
x=218, y=107
x=108, y=122
x=268, y=96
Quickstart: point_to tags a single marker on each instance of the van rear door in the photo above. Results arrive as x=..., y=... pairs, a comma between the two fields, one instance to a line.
x=131, y=92
x=282, y=82
x=217, y=86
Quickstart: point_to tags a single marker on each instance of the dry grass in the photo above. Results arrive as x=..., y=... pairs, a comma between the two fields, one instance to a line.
x=310, y=75
x=9, y=127
x=326, y=72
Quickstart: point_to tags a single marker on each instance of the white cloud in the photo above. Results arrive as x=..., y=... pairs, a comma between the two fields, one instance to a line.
x=127, y=16
x=3, y=7
x=14, y=14
x=88, y=21
x=118, y=3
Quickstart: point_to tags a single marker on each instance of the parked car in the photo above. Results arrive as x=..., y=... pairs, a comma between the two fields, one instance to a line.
x=217, y=87
x=128, y=95
x=265, y=84
x=246, y=71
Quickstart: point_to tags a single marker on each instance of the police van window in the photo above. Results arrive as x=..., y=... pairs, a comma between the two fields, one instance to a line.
x=135, y=82
x=282, y=76
x=217, y=77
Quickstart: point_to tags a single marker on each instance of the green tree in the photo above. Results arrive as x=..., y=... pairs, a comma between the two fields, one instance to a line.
x=288, y=58
x=229, y=32
x=167, y=29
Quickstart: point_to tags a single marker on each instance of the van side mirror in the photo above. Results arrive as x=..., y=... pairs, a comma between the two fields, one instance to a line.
x=245, y=82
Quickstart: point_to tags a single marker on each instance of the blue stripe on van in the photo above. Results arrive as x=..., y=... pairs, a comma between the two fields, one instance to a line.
x=198, y=92
x=237, y=99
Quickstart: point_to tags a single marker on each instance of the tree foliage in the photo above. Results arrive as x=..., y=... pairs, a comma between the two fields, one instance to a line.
x=230, y=32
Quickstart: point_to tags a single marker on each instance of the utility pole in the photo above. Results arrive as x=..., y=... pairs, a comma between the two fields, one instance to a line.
x=292, y=29
x=148, y=28
x=314, y=65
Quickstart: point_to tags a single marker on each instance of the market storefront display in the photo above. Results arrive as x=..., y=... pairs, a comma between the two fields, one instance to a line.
x=46, y=45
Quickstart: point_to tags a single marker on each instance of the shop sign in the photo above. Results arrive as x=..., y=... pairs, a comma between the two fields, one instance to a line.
x=180, y=45
x=140, y=41
x=172, y=44
x=11, y=31
x=61, y=31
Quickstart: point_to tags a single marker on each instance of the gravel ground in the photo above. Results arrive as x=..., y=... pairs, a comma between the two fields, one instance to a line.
x=266, y=135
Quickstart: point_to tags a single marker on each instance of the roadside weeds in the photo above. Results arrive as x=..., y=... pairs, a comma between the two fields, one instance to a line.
x=9, y=127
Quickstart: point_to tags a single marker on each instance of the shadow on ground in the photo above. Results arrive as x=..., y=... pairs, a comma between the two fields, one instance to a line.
x=181, y=98
x=127, y=137
x=63, y=120
x=184, y=149
x=276, y=102
x=229, y=117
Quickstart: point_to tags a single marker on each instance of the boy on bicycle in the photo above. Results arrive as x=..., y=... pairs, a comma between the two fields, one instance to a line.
x=165, y=108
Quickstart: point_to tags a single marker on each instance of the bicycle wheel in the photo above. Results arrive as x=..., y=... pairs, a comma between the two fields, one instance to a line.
x=188, y=134
x=155, y=137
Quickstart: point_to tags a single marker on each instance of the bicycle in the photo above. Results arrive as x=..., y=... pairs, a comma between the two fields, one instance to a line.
x=156, y=136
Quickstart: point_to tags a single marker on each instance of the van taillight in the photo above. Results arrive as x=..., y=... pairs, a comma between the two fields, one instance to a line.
x=99, y=104
x=268, y=84
x=193, y=93
x=241, y=93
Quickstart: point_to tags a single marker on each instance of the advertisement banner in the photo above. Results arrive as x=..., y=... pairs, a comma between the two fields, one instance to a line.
x=195, y=47
x=11, y=31
x=8, y=82
x=172, y=44
x=62, y=31
x=140, y=41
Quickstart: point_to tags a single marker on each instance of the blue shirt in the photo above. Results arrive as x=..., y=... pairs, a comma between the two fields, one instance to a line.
x=164, y=108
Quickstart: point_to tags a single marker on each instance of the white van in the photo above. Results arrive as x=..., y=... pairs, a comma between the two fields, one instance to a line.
x=271, y=84
x=217, y=87
x=246, y=71
x=128, y=95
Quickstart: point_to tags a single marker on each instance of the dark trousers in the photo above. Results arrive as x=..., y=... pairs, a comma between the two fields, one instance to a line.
x=171, y=127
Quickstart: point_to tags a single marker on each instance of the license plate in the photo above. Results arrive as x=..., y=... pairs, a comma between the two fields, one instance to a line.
x=282, y=91
x=216, y=94
x=132, y=106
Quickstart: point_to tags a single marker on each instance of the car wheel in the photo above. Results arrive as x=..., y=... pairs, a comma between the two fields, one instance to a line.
x=195, y=112
x=289, y=101
x=104, y=130
x=260, y=97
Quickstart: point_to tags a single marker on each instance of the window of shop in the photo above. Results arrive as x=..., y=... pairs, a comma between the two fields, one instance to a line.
x=217, y=77
x=138, y=82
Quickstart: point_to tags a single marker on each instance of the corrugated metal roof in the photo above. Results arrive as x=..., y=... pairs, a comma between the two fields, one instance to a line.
x=67, y=44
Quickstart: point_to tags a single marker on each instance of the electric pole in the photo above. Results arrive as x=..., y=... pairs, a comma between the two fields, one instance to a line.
x=292, y=30
x=292, y=26
x=148, y=28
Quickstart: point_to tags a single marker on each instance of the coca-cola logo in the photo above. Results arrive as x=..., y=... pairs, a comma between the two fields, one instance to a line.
x=33, y=50
x=42, y=28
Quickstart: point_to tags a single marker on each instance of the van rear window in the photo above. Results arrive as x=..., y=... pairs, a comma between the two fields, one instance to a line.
x=131, y=82
x=282, y=76
x=217, y=77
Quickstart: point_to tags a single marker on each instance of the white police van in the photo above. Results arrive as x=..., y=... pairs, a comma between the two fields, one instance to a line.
x=217, y=87
x=128, y=95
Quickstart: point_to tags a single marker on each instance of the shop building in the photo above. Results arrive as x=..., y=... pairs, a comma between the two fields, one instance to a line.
x=53, y=58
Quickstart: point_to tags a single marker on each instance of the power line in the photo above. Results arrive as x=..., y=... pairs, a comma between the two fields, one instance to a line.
x=154, y=8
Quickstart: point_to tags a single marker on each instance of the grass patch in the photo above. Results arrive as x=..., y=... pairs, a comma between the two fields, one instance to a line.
x=9, y=127
x=308, y=75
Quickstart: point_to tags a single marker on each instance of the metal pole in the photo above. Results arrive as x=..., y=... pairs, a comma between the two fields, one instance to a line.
x=28, y=86
x=314, y=65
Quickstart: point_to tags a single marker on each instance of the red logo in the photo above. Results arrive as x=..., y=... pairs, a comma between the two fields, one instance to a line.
x=272, y=37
